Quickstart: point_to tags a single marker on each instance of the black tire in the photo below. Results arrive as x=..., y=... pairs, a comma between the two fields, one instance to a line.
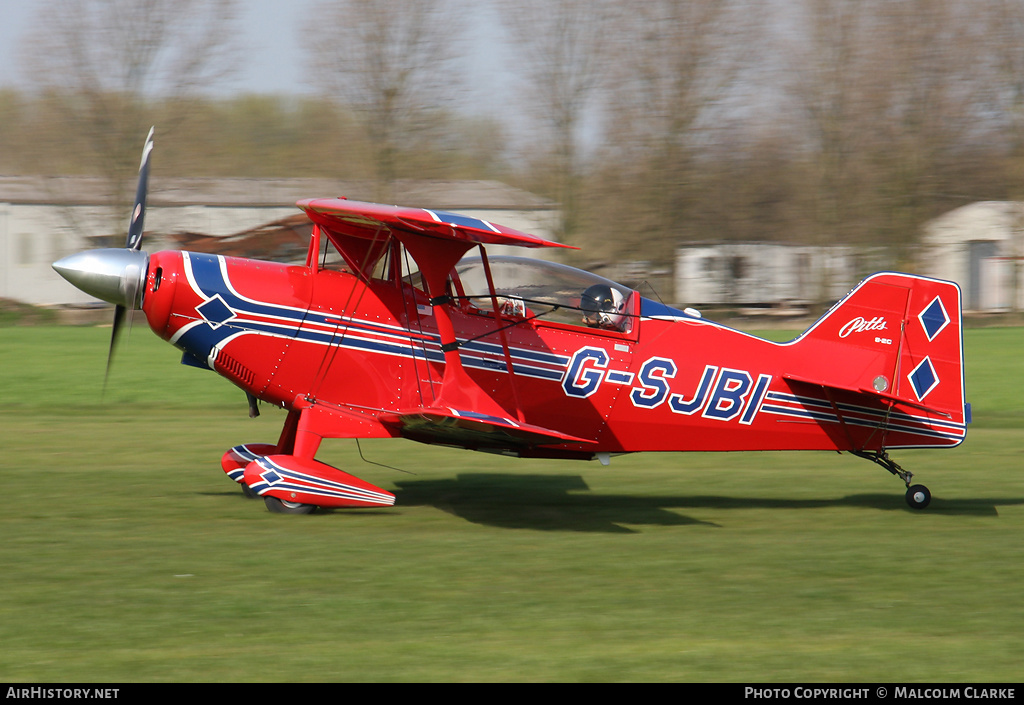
x=918, y=497
x=280, y=506
x=248, y=491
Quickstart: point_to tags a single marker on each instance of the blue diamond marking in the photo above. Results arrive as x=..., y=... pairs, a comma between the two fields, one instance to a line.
x=923, y=378
x=934, y=318
x=270, y=477
x=215, y=311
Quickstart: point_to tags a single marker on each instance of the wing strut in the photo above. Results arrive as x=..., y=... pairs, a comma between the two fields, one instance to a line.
x=463, y=412
x=436, y=259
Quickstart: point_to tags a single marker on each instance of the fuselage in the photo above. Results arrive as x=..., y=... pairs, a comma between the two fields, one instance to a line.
x=667, y=381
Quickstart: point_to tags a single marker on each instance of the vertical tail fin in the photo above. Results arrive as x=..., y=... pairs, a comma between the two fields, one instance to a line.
x=895, y=339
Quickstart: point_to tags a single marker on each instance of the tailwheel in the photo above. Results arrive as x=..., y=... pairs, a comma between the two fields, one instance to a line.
x=918, y=496
x=283, y=506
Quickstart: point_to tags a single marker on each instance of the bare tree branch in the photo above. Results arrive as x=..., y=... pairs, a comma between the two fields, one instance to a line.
x=564, y=47
x=390, y=63
x=107, y=60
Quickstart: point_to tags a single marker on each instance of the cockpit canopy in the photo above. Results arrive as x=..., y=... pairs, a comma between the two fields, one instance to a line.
x=551, y=291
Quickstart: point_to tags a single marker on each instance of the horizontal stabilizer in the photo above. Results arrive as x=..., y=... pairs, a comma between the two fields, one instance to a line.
x=863, y=390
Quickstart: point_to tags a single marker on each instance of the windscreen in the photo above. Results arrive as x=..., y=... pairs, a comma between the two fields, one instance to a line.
x=549, y=290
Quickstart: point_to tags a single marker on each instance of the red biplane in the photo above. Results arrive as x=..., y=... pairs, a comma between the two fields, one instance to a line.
x=394, y=329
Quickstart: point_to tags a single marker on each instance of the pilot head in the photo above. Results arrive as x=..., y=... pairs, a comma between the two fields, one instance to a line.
x=602, y=307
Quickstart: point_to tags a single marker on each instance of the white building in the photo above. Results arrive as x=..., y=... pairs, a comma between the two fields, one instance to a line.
x=45, y=218
x=762, y=274
x=980, y=246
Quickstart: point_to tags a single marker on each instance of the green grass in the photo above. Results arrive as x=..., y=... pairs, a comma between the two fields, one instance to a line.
x=15, y=313
x=128, y=556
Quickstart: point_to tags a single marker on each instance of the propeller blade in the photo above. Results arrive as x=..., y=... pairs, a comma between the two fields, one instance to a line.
x=138, y=216
x=119, y=312
x=131, y=281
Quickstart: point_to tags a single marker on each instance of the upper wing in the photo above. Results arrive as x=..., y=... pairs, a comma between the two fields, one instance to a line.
x=359, y=219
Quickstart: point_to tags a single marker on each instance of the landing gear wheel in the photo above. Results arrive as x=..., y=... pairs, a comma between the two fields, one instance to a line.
x=280, y=506
x=247, y=491
x=918, y=496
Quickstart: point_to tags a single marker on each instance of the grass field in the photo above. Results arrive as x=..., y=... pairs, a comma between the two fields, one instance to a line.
x=128, y=556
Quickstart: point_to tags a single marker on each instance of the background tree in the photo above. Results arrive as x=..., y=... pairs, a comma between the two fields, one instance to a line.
x=893, y=97
x=821, y=121
x=678, y=65
x=393, y=65
x=1003, y=30
x=826, y=77
x=103, y=61
x=929, y=104
x=564, y=47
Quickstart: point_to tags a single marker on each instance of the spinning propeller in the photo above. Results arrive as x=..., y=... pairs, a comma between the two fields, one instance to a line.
x=111, y=274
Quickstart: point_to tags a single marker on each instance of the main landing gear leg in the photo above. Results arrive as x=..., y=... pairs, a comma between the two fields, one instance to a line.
x=918, y=496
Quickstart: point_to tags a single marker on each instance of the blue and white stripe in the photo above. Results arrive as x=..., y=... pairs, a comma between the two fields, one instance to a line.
x=274, y=476
x=805, y=408
x=246, y=455
x=235, y=315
